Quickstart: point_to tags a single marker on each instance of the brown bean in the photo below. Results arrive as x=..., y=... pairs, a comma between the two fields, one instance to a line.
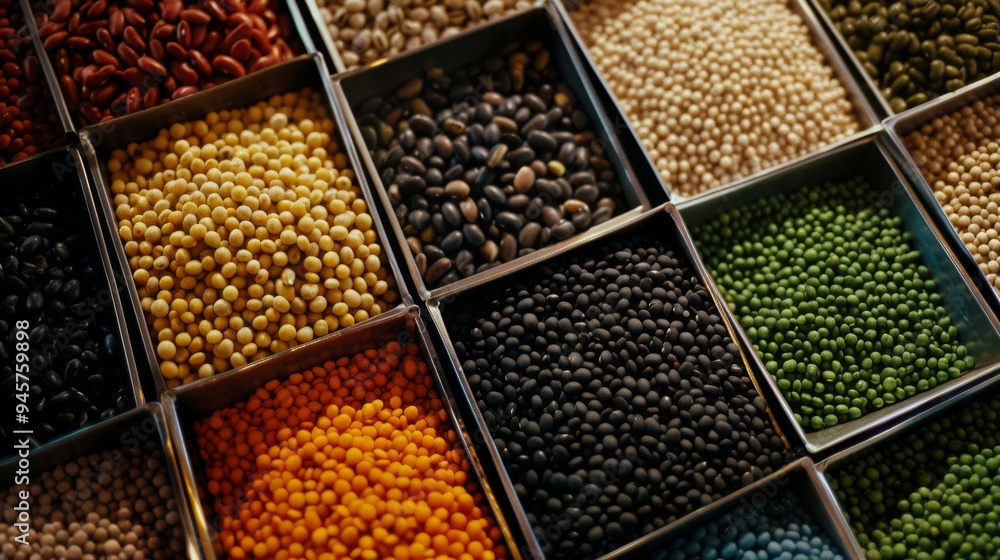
x=127, y=54
x=116, y=23
x=176, y=50
x=183, y=91
x=55, y=40
x=97, y=9
x=215, y=10
x=241, y=31
x=200, y=63
x=62, y=11
x=74, y=23
x=229, y=66
x=211, y=42
x=133, y=100
x=134, y=39
x=100, y=76
x=171, y=10
x=264, y=62
x=62, y=62
x=152, y=66
x=80, y=42
x=196, y=16
x=106, y=40
x=104, y=58
x=43, y=31
x=241, y=50
x=151, y=98
x=70, y=92
x=257, y=6
x=184, y=34
x=90, y=28
x=239, y=18
x=156, y=49
x=184, y=73
x=32, y=68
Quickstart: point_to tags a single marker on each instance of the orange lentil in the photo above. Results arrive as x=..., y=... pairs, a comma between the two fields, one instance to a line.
x=351, y=459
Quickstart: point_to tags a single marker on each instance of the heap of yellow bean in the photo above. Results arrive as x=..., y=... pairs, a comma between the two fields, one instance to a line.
x=246, y=234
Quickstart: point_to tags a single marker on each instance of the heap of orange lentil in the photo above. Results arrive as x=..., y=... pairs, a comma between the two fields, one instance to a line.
x=351, y=459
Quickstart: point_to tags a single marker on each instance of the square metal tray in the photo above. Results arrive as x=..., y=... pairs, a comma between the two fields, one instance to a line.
x=97, y=143
x=868, y=118
x=57, y=177
x=664, y=222
x=188, y=404
x=69, y=118
x=470, y=47
x=901, y=125
x=132, y=429
x=799, y=478
x=978, y=327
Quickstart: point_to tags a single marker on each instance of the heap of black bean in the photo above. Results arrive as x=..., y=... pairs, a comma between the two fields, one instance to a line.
x=614, y=394
x=52, y=278
x=489, y=162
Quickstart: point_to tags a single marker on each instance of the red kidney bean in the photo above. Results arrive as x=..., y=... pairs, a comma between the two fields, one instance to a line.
x=74, y=23
x=183, y=91
x=104, y=58
x=156, y=50
x=198, y=33
x=176, y=50
x=100, y=76
x=228, y=65
x=133, y=100
x=152, y=66
x=50, y=28
x=263, y=62
x=116, y=23
x=80, y=42
x=141, y=5
x=32, y=69
x=241, y=50
x=184, y=34
x=257, y=6
x=134, y=18
x=200, y=63
x=133, y=76
x=211, y=42
x=260, y=41
x=90, y=113
x=55, y=40
x=128, y=55
x=169, y=84
x=134, y=39
x=105, y=39
x=171, y=10
x=164, y=31
x=184, y=73
x=216, y=10
x=151, y=98
x=103, y=95
x=241, y=31
x=196, y=16
x=69, y=90
x=62, y=11
x=62, y=62
x=90, y=28
x=97, y=9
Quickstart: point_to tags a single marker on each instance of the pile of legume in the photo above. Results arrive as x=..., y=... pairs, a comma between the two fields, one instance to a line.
x=53, y=288
x=479, y=175
x=246, y=234
x=781, y=529
x=918, y=50
x=836, y=300
x=112, y=504
x=933, y=493
x=959, y=155
x=367, y=30
x=716, y=90
x=615, y=396
x=351, y=459
x=29, y=122
x=114, y=57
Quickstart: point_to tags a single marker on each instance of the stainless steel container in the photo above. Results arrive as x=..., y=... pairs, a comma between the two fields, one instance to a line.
x=978, y=328
x=799, y=478
x=189, y=404
x=663, y=222
x=69, y=118
x=901, y=125
x=97, y=143
x=851, y=455
x=868, y=118
x=57, y=178
x=132, y=429
x=461, y=50
x=328, y=46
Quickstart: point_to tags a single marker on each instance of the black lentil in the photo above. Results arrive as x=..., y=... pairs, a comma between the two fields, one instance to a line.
x=614, y=394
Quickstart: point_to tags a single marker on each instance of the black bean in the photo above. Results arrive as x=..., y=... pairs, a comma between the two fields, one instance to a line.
x=641, y=441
